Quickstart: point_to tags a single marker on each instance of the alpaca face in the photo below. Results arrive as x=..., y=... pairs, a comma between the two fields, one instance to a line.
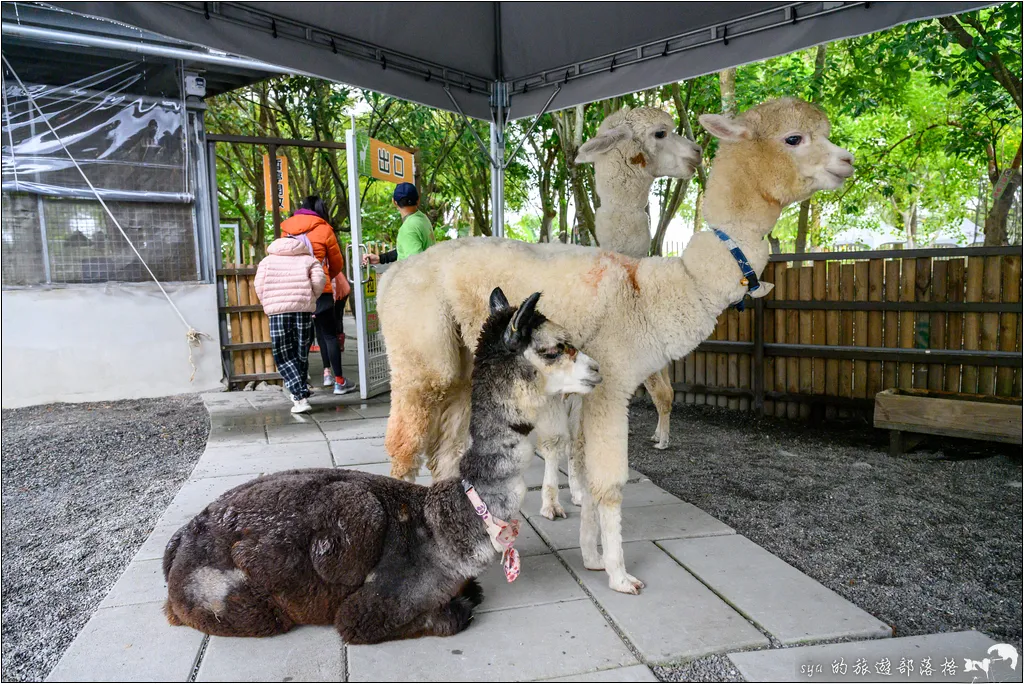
x=562, y=368
x=645, y=138
x=786, y=141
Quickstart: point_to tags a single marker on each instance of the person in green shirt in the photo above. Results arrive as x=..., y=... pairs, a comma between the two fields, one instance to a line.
x=416, y=233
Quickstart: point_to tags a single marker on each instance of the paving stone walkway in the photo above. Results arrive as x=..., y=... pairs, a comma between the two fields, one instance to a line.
x=709, y=590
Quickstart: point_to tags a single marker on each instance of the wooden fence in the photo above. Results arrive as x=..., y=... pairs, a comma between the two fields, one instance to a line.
x=848, y=325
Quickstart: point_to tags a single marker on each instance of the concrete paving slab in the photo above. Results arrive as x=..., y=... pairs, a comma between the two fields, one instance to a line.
x=668, y=521
x=374, y=410
x=222, y=465
x=237, y=436
x=195, y=495
x=266, y=450
x=878, y=660
x=634, y=495
x=252, y=418
x=356, y=451
x=155, y=543
x=531, y=643
x=675, y=617
x=631, y=475
x=543, y=579
x=634, y=673
x=783, y=601
x=287, y=434
x=529, y=542
x=533, y=476
x=305, y=654
x=371, y=428
x=141, y=582
x=331, y=414
x=129, y=644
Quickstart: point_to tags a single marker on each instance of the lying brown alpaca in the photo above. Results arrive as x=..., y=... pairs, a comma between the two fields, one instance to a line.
x=378, y=558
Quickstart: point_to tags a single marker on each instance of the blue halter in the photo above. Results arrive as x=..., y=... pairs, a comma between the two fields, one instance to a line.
x=741, y=261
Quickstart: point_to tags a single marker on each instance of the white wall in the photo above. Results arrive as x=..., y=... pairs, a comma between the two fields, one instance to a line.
x=106, y=342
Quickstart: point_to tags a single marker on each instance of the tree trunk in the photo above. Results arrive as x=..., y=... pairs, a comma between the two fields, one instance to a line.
x=801, y=227
x=727, y=86
x=563, y=215
x=677, y=191
x=569, y=125
x=995, y=220
x=698, y=211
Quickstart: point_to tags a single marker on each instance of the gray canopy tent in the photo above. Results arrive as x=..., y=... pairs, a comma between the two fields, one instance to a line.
x=499, y=61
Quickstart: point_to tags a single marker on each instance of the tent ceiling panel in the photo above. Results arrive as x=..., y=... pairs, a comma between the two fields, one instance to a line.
x=431, y=52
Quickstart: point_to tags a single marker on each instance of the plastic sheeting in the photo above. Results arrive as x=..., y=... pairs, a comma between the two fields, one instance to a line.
x=132, y=147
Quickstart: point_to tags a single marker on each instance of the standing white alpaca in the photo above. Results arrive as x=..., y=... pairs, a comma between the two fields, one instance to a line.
x=631, y=315
x=624, y=178
x=631, y=149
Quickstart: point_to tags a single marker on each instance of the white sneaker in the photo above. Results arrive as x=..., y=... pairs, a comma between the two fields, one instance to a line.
x=328, y=377
x=301, y=405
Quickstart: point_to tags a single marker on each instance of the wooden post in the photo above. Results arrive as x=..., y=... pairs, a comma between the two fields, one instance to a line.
x=860, y=328
x=745, y=319
x=876, y=282
x=937, y=334
x=954, y=321
x=722, y=374
x=793, y=335
x=908, y=283
x=972, y=321
x=733, y=360
x=819, y=292
x=832, y=336
x=759, y=360
x=768, y=336
x=235, y=323
x=806, y=373
x=922, y=321
x=890, y=375
x=989, y=323
x=1008, y=323
x=846, y=367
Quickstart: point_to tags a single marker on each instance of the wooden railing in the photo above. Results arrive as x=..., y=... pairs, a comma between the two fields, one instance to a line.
x=848, y=325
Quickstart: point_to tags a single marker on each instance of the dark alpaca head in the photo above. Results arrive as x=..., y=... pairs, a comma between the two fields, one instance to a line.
x=521, y=357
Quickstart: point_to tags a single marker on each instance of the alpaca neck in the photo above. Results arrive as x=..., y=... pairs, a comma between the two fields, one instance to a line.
x=739, y=197
x=495, y=460
x=621, y=222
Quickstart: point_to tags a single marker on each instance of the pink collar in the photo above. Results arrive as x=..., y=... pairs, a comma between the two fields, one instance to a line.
x=503, y=534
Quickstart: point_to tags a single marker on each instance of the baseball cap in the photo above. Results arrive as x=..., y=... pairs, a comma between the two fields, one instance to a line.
x=406, y=195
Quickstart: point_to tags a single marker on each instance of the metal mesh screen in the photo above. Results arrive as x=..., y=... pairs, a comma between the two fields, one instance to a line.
x=84, y=246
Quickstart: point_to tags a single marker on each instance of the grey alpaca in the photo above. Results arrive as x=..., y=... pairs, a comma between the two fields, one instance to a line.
x=378, y=558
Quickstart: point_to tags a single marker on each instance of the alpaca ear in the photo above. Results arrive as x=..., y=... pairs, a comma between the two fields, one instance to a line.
x=725, y=127
x=521, y=326
x=499, y=302
x=602, y=142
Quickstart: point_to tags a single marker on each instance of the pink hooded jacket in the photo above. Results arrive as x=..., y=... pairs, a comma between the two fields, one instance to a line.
x=290, y=278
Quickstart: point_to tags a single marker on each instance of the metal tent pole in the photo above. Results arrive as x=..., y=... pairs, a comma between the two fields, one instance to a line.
x=498, y=126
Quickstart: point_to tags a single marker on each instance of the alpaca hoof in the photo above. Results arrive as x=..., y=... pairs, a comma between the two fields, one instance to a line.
x=473, y=592
x=462, y=614
x=552, y=511
x=577, y=499
x=662, y=445
x=626, y=585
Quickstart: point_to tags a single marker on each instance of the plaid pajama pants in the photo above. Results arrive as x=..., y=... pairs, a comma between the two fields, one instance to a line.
x=290, y=337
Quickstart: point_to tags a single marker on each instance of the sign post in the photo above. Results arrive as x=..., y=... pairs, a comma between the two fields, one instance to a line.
x=373, y=159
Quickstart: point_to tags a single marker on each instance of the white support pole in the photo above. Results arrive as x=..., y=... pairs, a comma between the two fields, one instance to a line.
x=355, y=221
x=498, y=180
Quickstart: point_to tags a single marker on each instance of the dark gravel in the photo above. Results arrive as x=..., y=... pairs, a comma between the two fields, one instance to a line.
x=927, y=543
x=82, y=485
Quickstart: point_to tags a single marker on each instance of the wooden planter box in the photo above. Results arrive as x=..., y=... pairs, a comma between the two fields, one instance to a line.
x=972, y=416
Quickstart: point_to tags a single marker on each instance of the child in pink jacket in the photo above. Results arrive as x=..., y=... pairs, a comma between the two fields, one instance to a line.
x=288, y=282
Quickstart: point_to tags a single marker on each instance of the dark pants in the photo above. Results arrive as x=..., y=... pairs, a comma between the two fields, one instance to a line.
x=327, y=333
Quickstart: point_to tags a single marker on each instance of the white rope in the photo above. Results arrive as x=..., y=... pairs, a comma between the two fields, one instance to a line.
x=193, y=337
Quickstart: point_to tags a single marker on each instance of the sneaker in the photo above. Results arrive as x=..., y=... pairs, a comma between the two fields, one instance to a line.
x=301, y=405
x=328, y=377
x=343, y=387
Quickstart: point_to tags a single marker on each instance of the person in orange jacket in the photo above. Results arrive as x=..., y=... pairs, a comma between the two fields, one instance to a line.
x=309, y=223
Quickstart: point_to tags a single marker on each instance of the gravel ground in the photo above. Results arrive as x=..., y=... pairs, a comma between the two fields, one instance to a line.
x=926, y=543
x=82, y=485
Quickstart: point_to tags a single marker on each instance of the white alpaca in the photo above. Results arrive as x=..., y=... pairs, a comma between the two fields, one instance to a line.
x=624, y=177
x=631, y=149
x=631, y=315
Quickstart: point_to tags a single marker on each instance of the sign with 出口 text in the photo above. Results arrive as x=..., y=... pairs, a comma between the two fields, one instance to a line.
x=385, y=162
x=278, y=189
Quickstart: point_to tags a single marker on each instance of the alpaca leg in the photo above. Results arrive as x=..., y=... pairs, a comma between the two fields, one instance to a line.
x=370, y=618
x=659, y=386
x=412, y=413
x=589, y=529
x=606, y=430
x=553, y=440
x=222, y=603
x=577, y=471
